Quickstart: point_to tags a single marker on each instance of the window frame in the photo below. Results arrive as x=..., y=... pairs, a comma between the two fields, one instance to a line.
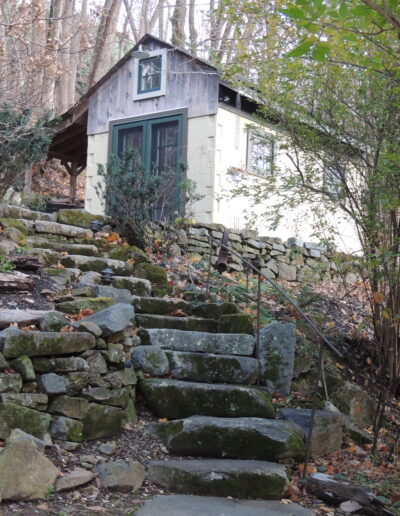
x=252, y=133
x=156, y=92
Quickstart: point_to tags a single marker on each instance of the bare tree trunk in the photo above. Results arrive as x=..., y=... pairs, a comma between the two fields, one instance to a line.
x=161, y=22
x=61, y=97
x=192, y=26
x=128, y=9
x=144, y=18
x=79, y=28
x=104, y=41
x=178, y=19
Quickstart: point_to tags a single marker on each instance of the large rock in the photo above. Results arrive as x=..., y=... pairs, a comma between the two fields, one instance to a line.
x=74, y=479
x=221, y=477
x=356, y=403
x=177, y=399
x=120, y=295
x=90, y=263
x=184, y=505
x=29, y=420
x=210, y=368
x=136, y=286
x=81, y=218
x=236, y=438
x=14, y=343
x=156, y=275
x=124, y=476
x=25, y=473
x=66, y=429
x=23, y=365
x=128, y=252
x=101, y=421
x=235, y=323
x=286, y=272
x=276, y=355
x=327, y=435
x=69, y=406
x=219, y=343
x=60, y=364
x=113, y=319
x=151, y=360
x=42, y=226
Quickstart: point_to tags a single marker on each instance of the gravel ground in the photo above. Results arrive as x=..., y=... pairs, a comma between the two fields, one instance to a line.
x=33, y=300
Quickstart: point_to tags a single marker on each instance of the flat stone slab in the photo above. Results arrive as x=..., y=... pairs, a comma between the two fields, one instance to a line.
x=176, y=399
x=8, y=316
x=44, y=226
x=160, y=305
x=327, y=435
x=211, y=368
x=218, y=343
x=235, y=438
x=91, y=263
x=197, y=324
x=14, y=342
x=184, y=505
x=249, y=479
x=18, y=212
x=43, y=243
x=136, y=286
x=111, y=320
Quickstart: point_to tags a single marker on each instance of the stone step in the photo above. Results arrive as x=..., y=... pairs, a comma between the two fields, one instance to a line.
x=197, y=324
x=221, y=477
x=25, y=317
x=54, y=228
x=176, y=399
x=43, y=243
x=185, y=505
x=91, y=263
x=218, y=343
x=160, y=305
x=211, y=368
x=235, y=438
x=136, y=286
x=18, y=212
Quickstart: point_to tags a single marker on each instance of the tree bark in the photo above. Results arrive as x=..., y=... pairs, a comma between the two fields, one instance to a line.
x=178, y=19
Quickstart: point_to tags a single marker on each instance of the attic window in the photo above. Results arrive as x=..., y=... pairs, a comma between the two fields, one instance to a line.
x=150, y=73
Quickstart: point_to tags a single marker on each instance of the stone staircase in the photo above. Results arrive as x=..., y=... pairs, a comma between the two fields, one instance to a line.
x=195, y=370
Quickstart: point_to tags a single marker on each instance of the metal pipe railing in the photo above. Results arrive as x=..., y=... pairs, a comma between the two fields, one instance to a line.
x=304, y=316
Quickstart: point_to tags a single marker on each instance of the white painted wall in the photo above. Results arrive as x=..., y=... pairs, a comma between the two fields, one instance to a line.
x=231, y=151
x=97, y=153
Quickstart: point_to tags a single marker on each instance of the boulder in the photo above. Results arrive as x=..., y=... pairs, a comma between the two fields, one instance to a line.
x=327, y=433
x=151, y=360
x=66, y=429
x=236, y=438
x=52, y=383
x=17, y=435
x=25, y=473
x=53, y=321
x=14, y=343
x=113, y=319
x=120, y=295
x=33, y=400
x=286, y=272
x=29, y=420
x=73, y=479
x=23, y=365
x=219, y=343
x=101, y=421
x=72, y=407
x=177, y=399
x=216, y=477
x=156, y=275
x=235, y=323
x=210, y=368
x=356, y=403
x=276, y=356
x=123, y=476
x=128, y=252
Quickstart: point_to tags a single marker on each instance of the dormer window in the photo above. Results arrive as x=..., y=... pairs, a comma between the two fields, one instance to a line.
x=151, y=75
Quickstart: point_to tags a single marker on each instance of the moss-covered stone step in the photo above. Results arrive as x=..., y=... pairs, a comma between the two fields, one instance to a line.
x=14, y=343
x=211, y=368
x=54, y=228
x=219, y=343
x=81, y=218
x=185, y=505
x=96, y=304
x=91, y=263
x=161, y=305
x=177, y=323
x=18, y=212
x=236, y=438
x=43, y=243
x=175, y=399
x=221, y=477
x=136, y=286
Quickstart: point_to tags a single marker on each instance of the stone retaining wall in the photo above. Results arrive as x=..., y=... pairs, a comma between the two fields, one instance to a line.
x=292, y=260
x=75, y=385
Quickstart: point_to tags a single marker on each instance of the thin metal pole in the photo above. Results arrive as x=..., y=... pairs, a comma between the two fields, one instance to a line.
x=209, y=270
x=309, y=321
x=313, y=411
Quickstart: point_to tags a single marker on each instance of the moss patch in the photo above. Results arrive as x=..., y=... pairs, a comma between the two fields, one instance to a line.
x=91, y=303
x=235, y=323
x=13, y=223
x=80, y=218
x=128, y=252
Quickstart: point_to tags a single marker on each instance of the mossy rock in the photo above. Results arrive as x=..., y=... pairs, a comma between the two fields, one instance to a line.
x=96, y=304
x=101, y=421
x=13, y=223
x=80, y=218
x=128, y=252
x=214, y=310
x=157, y=277
x=29, y=420
x=235, y=323
x=23, y=365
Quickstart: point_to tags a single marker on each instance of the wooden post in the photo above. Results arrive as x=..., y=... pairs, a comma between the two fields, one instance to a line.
x=73, y=170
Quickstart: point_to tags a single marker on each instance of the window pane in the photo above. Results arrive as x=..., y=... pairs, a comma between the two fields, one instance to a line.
x=130, y=138
x=150, y=74
x=261, y=154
